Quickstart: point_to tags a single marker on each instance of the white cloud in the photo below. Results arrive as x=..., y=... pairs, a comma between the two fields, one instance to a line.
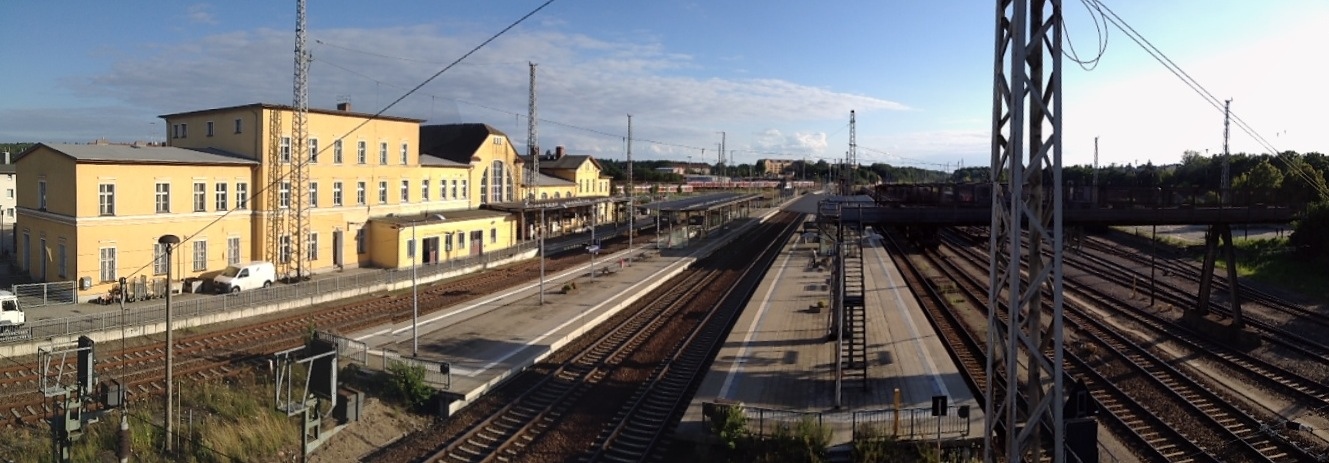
x=586, y=87
x=200, y=13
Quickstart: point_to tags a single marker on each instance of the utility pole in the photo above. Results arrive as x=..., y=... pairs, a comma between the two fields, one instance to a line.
x=1094, y=196
x=1227, y=175
x=632, y=194
x=721, y=164
x=300, y=151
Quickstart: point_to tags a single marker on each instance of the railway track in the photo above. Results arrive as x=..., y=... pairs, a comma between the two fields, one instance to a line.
x=615, y=394
x=220, y=352
x=1170, y=395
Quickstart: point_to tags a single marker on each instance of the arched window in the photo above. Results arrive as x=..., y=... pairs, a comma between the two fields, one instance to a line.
x=500, y=176
x=544, y=195
x=555, y=195
x=484, y=187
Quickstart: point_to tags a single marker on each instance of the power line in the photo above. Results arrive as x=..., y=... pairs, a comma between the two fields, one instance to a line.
x=303, y=160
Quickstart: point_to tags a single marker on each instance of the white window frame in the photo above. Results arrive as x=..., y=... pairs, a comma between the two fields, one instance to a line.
x=200, y=196
x=200, y=255
x=285, y=155
x=159, y=262
x=336, y=194
x=163, y=197
x=106, y=199
x=220, y=194
x=106, y=264
x=424, y=190
x=313, y=150
x=241, y=195
x=313, y=194
x=405, y=191
x=41, y=195
x=239, y=124
x=360, y=151
x=284, y=251
x=360, y=195
x=233, y=250
x=405, y=153
x=382, y=192
x=336, y=152
x=382, y=153
x=313, y=247
x=284, y=195
x=464, y=192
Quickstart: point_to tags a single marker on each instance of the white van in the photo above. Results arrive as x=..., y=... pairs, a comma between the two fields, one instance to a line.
x=246, y=276
x=11, y=314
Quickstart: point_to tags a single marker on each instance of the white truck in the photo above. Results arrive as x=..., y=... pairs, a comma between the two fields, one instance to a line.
x=12, y=317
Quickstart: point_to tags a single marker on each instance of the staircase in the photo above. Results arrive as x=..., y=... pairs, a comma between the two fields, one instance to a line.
x=853, y=346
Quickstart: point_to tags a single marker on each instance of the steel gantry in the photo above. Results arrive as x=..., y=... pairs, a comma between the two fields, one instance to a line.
x=1025, y=348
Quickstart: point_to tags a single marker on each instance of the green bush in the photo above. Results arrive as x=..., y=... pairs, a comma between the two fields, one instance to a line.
x=407, y=383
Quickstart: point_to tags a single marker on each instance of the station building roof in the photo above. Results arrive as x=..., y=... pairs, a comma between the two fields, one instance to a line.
x=430, y=218
x=115, y=153
x=702, y=203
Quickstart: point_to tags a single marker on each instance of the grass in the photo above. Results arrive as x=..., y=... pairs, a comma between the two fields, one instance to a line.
x=1267, y=260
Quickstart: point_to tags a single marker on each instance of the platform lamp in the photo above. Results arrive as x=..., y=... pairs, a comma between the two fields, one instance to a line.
x=169, y=242
x=415, y=287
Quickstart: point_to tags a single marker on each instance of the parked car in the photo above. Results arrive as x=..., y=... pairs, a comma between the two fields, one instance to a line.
x=244, y=277
x=12, y=317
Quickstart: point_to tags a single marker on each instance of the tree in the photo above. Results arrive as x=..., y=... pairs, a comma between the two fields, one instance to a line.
x=1263, y=176
x=1308, y=234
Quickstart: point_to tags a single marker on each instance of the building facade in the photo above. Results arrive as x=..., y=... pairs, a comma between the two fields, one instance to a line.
x=776, y=167
x=376, y=186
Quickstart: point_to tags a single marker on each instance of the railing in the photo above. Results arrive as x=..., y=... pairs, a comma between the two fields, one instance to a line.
x=42, y=294
x=436, y=373
x=911, y=424
x=156, y=312
x=347, y=348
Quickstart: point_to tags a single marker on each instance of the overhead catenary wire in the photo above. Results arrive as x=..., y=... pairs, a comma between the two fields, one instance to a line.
x=305, y=159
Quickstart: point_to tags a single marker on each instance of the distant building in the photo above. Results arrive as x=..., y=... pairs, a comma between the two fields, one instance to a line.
x=776, y=167
x=8, y=201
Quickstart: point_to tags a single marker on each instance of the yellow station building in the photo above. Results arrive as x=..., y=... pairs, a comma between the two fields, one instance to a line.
x=224, y=184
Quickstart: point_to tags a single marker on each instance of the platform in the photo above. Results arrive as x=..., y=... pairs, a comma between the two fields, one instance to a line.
x=494, y=338
x=779, y=363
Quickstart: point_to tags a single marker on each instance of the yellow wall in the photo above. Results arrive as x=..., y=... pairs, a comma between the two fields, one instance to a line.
x=389, y=241
x=57, y=171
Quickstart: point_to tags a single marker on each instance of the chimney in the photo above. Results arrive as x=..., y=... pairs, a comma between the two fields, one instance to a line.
x=6, y=157
x=344, y=106
x=558, y=152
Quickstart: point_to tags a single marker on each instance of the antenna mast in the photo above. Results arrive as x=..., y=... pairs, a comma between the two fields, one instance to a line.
x=301, y=152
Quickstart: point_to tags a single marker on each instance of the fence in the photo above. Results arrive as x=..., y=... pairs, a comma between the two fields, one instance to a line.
x=911, y=423
x=436, y=373
x=312, y=290
x=347, y=348
x=40, y=294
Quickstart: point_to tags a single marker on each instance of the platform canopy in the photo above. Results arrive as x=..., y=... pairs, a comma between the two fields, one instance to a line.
x=704, y=202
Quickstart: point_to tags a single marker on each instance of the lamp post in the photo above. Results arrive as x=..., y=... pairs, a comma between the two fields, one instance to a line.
x=415, y=295
x=541, y=232
x=170, y=242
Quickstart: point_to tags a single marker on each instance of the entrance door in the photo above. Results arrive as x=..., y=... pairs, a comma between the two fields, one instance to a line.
x=336, y=248
x=477, y=242
x=431, y=250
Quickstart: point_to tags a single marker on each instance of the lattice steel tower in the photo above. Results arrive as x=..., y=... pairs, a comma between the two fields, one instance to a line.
x=532, y=145
x=298, y=263
x=1026, y=208
x=851, y=158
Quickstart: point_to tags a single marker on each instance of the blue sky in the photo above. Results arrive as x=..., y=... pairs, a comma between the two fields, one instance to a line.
x=779, y=78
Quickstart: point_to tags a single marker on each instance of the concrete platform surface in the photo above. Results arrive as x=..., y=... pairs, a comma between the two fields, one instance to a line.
x=779, y=363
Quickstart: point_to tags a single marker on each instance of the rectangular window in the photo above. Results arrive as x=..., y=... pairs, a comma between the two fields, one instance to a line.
x=360, y=152
x=184, y=130
x=233, y=250
x=313, y=151
x=461, y=240
x=336, y=152
x=63, y=255
x=286, y=150
x=493, y=235
x=284, y=195
x=41, y=195
x=200, y=255
x=241, y=195
x=336, y=194
x=359, y=241
x=424, y=190
x=313, y=194
x=200, y=197
x=313, y=247
x=163, y=197
x=410, y=249
x=220, y=188
x=107, y=266
x=382, y=192
x=454, y=189
x=405, y=191
x=464, y=192
x=159, y=262
x=285, y=251
x=360, y=193
x=106, y=198
x=383, y=153
x=404, y=154
x=9, y=192
x=209, y=128
x=442, y=189
x=238, y=125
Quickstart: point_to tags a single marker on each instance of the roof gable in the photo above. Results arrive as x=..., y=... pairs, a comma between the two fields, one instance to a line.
x=455, y=142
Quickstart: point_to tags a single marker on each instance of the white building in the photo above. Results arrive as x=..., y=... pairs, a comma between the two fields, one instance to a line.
x=8, y=200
